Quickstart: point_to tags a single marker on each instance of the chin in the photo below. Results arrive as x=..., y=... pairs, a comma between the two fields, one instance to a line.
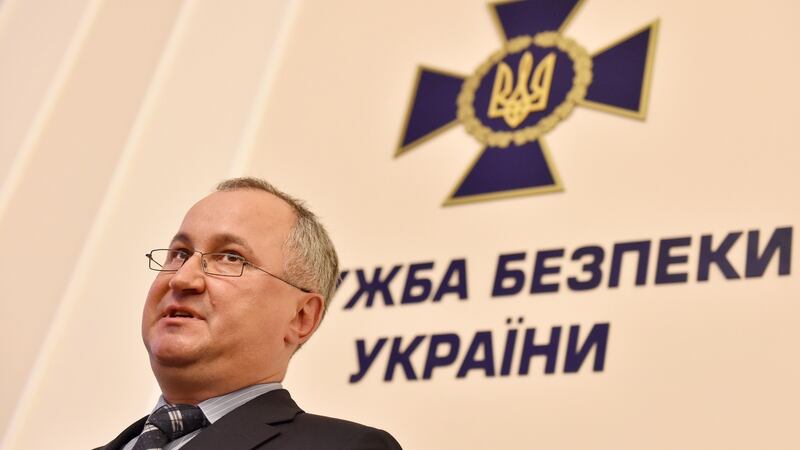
x=172, y=353
x=171, y=360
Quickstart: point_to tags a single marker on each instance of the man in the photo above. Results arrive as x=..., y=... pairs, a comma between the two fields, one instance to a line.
x=244, y=283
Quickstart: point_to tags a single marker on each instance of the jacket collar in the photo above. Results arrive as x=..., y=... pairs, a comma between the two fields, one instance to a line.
x=129, y=433
x=248, y=425
x=241, y=429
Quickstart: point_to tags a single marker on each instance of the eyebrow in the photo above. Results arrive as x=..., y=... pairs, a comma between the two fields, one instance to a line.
x=218, y=240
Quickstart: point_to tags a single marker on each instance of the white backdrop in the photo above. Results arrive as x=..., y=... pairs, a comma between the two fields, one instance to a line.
x=102, y=100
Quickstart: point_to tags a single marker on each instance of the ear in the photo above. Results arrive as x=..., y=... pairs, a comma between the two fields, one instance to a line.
x=306, y=319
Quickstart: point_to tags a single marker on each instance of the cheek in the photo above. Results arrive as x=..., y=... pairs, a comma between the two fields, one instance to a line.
x=267, y=316
x=157, y=291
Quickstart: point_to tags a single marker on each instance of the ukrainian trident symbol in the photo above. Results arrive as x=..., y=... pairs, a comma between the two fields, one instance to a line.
x=524, y=90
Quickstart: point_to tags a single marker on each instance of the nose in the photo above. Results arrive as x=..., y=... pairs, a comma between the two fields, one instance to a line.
x=190, y=278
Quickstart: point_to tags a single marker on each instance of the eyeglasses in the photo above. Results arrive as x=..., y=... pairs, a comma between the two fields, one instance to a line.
x=219, y=264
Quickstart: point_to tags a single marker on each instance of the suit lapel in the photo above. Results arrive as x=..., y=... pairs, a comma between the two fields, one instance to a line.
x=248, y=425
x=128, y=434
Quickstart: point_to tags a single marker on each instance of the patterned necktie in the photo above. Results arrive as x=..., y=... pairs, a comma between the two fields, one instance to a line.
x=168, y=423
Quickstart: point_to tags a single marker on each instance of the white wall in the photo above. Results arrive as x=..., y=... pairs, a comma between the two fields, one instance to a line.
x=115, y=116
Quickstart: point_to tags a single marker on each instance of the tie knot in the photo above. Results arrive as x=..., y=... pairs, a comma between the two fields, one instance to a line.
x=168, y=423
x=177, y=420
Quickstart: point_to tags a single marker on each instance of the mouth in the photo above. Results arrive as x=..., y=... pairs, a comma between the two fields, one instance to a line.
x=179, y=313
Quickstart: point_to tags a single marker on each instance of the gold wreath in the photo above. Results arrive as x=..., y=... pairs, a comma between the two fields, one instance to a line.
x=581, y=64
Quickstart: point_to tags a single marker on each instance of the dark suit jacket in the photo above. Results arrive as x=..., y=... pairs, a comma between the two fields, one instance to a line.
x=274, y=421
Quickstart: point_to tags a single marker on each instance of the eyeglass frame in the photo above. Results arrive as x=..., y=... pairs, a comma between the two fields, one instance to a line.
x=204, y=264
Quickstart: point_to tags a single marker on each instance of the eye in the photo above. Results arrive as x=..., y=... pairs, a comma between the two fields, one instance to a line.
x=228, y=258
x=178, y=254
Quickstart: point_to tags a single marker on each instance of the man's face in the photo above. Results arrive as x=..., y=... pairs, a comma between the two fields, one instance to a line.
x=238, y=324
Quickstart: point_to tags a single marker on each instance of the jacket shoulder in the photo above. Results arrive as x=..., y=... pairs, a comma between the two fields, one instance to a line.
x=312, y=430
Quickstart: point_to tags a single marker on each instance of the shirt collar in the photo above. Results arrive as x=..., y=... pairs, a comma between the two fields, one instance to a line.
x=215, y=408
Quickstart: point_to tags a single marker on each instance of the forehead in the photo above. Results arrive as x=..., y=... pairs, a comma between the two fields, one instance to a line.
x=257, y=217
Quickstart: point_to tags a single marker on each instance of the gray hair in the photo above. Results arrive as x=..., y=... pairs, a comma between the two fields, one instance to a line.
x=311, y=260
